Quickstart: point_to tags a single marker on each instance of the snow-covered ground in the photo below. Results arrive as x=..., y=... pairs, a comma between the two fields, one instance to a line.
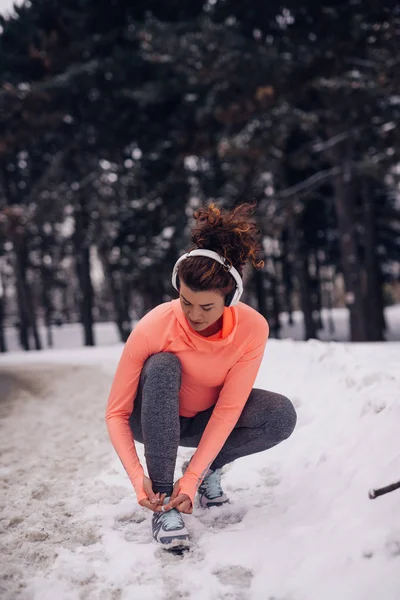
x=71, y=335
x=300, y=525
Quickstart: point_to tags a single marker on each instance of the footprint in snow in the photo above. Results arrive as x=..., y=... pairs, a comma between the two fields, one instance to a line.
x=392, y=548
x=41, y=492
x=235, y=575
x=129, y=517
x=269, y=477
x=220, y=517
x=133, y=527
x=373, y=406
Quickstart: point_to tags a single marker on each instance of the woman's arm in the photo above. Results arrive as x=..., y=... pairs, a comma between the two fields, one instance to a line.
x=120, y=405
x=232, y=399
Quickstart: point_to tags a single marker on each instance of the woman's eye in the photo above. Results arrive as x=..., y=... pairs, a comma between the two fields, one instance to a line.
x=207, y=309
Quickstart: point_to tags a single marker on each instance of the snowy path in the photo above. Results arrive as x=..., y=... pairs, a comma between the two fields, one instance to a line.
x=300, y=526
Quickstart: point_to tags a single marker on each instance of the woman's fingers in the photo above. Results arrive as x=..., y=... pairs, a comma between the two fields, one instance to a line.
x=180, y=499
x=173, y=503
x=151, y=506
x=148, y=488
x=155, y=502
x=185, y=507
x=175, y=491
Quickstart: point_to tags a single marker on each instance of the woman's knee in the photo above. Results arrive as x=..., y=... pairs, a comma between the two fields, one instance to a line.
x=162, y=374
x=285, y=415
x=163, y=361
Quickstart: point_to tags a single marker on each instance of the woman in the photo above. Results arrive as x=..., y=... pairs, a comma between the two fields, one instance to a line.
x=186, y=375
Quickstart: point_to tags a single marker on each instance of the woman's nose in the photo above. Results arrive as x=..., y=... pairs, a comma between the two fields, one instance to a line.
x=194, y=314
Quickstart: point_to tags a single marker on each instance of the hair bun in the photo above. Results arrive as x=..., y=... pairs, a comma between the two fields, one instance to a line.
x=233, y=234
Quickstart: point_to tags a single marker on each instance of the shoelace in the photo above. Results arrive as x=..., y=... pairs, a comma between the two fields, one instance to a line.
x=171, y=520
x=212, y=484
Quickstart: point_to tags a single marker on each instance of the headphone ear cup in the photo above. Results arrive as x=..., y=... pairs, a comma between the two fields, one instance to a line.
x=229, y=297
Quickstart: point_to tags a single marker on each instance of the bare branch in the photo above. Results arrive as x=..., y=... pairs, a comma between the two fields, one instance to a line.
x=336, y=139
x=316, y=180
x=360, y=62
x=59, y=81
x=308, y=184
x=384, y=490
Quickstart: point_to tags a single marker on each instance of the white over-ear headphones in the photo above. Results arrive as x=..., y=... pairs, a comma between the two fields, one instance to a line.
x=218, y=258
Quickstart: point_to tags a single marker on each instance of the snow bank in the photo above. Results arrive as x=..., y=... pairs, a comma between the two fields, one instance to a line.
x=300, y=525
x=70, y=335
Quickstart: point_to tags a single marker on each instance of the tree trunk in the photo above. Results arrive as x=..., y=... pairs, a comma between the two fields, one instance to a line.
x=374, y=304
x=82, y=250
x=23, y=324
x=258, y=278
x=287, y=279
x=27, y=317
x=275, y=300
x=317, y=281
x=47, y=306
x=302, y=275
x=3, y=345
x=118, y=295
x=343, y=186
x=35, y=331
x=87, y=297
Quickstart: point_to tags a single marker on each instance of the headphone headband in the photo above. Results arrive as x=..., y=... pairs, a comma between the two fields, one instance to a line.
x=217, y=257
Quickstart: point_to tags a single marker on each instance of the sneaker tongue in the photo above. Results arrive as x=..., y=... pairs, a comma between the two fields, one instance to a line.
x=166, y=500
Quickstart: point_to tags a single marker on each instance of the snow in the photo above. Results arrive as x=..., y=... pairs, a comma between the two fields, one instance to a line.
x=300, y=525
x=7, y=6
x=70, y=335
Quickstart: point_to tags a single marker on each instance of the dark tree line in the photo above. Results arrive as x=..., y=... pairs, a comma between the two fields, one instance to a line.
x=116, y=121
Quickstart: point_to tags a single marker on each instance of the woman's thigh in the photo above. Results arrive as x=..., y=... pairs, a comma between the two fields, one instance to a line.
x=261, y=406
x=192, y=428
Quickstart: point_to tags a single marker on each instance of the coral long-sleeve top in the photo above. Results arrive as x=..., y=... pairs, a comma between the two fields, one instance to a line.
x=216, y=371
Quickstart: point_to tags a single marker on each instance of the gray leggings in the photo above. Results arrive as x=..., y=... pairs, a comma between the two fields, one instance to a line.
x=266, y=420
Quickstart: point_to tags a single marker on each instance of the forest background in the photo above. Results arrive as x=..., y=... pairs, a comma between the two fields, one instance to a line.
x=119, y=118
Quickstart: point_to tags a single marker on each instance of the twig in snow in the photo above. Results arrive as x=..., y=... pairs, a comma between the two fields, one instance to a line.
x=384, y=490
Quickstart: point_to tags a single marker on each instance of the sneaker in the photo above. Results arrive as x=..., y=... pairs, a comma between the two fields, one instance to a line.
x=210, y=491
x=169, y=529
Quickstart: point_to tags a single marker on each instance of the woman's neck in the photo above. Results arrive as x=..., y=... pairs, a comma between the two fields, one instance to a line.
x=212, y=329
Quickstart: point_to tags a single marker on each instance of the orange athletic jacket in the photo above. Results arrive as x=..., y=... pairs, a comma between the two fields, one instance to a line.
x=219, y=370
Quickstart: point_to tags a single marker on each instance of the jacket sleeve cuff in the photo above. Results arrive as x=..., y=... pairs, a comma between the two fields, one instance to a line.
x=137, y=483
x=189, y=485
x=139, y=489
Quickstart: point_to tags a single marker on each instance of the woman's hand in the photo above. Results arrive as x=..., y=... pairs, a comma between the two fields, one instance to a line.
x=153, y=501
x=181, y=502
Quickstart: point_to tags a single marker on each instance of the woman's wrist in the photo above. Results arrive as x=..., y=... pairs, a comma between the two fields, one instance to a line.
x=189, y=485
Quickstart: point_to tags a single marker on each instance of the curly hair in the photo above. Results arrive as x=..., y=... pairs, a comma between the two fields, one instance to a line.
x=233, y=234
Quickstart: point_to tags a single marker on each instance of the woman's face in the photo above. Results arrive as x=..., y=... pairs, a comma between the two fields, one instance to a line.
x=201, y=309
